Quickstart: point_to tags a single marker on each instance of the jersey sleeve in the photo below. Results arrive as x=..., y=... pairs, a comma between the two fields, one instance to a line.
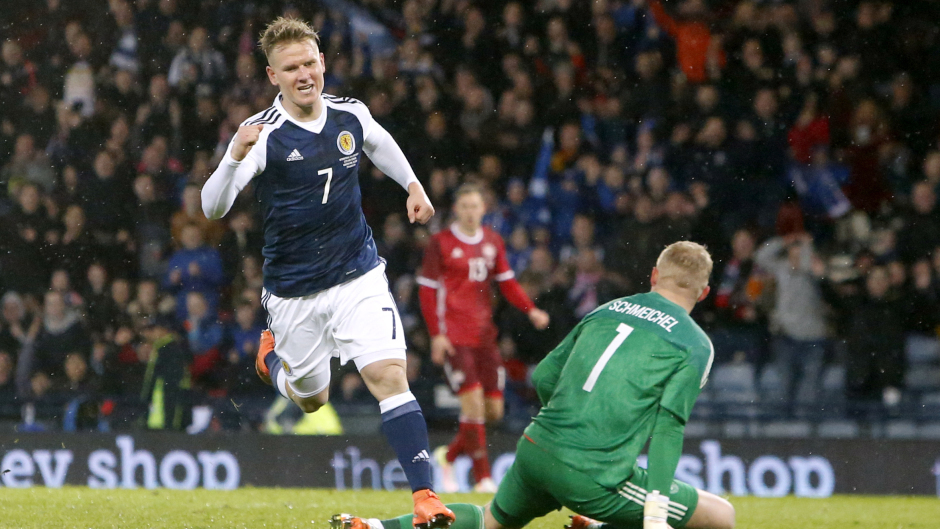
x=432, y=266
x=664, y=451
x=546, y=374
x=681, y=391
x=381, y=148
x=429, y=282
x=221, y=189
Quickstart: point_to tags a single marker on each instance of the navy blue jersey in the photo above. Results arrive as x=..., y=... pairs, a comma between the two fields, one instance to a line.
x=306, y=182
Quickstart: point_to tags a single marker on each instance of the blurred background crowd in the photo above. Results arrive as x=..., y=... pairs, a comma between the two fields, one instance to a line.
x=799, y=140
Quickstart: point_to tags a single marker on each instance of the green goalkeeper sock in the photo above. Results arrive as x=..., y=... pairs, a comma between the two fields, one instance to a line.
x=468, y=517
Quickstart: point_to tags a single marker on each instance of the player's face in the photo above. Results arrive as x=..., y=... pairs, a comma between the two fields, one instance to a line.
x=469, y=210
x=297, y=69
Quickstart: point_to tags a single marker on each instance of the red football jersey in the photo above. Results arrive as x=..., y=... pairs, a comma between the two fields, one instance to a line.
x=461, y=269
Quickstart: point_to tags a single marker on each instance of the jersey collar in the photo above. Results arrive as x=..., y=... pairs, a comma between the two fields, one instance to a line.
x=315, y=126
x=474, y=239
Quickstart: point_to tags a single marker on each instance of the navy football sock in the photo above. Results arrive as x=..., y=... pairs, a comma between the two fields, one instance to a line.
x=271, y=361
x=407, y=432
x=274, y=368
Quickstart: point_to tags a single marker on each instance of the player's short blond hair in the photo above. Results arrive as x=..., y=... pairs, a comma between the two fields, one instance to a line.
x=284, y=31
x=467, y=188
x=685, y=264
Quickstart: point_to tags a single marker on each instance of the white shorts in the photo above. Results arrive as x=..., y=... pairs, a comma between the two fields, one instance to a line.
x=356, y=320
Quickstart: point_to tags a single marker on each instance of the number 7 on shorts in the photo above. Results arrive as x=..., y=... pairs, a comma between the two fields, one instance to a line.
x=394, y=326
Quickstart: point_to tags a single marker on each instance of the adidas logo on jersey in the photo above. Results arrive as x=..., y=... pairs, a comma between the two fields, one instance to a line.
x=294, y=156
x=422, y=456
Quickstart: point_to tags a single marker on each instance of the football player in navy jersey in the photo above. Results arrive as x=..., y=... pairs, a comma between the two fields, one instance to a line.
x=325, y=289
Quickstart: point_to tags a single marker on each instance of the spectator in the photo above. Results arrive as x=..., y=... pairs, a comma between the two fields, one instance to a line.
x=79, y=395
x=809, y=132
x=62, y=333
x=160, y=115
x=77, y=247
x=79, y=89
x=193, y=268
x=146, y=304
x=923, y=304
x=241, y=240
x=204, y=336
x=106, y=199
x=197, y=64
x=120, y=303
x=249, y=277
x=243, y=334
x=29, y=164
x=16, y=329
x=738, y=289
x=26, y=234
x=875, y=366
x=920, y=234
x=819, y=186
x=798, y=316
x=61, y=283
x=637, y=244
x=867, y=188
x=394, y=246
x=591, y=286
x=167, y=378
x=696, y=50
x=97, y=298
x=40, y=401
x=17, y=75
x=125, y=56
x=519, y=250
x=582, y=240
x=518, y=209
x=191, y=213
x=38, y=117
x=8, y=394
x=151, y=226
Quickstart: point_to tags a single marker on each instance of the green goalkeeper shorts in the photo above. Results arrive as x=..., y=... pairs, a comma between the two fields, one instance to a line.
x=538, y=483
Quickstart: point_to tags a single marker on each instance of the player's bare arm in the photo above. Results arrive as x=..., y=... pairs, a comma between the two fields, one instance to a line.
x=441, y=348
x=539, y=318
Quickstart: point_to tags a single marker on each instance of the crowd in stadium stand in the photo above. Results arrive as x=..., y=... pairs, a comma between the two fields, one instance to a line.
x=798, y=140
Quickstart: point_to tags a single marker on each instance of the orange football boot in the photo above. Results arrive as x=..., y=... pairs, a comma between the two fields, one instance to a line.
x=265, y=348
x=430, y=512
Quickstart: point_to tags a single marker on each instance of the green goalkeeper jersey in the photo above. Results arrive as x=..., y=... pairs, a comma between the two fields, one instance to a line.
x=604, y=385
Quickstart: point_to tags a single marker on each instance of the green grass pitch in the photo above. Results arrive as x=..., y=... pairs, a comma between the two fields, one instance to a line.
x=82, y=508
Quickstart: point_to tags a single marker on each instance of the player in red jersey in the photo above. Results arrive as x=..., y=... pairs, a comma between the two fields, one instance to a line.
x=459, y=266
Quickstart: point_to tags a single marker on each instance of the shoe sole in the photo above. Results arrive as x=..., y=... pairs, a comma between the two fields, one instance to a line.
x=339, y=522
x=438, y=521
x=265, y=377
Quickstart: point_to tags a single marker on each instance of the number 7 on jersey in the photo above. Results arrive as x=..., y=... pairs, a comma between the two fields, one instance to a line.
x=329, y=178
x=623, y=330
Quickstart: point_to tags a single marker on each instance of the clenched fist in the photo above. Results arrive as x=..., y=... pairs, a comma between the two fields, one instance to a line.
x=245, y=138
x=419, y=206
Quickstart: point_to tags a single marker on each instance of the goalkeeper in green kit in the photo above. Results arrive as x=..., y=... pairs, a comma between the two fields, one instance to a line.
x=628, y=373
